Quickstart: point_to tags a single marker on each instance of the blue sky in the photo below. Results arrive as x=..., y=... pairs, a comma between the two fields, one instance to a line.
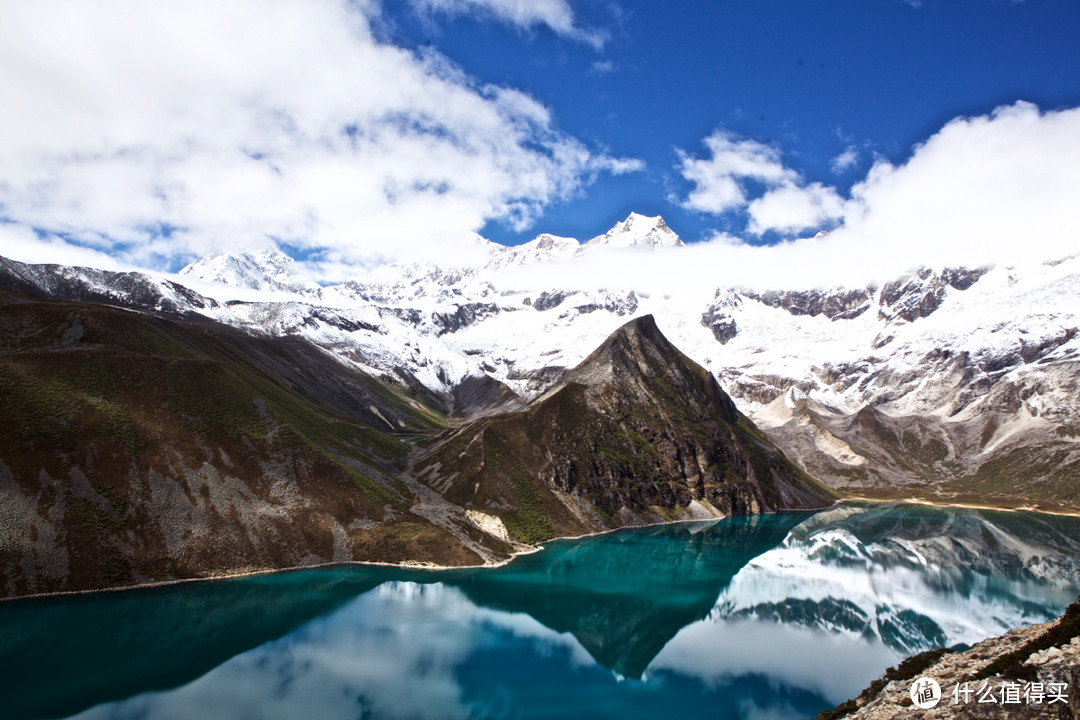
x=357, y=132
x=813, y=78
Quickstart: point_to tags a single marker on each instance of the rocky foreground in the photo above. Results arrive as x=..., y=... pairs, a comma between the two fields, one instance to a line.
x=1031, y=672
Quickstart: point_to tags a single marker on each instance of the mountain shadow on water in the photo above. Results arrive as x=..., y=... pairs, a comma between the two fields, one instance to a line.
x=624, y=595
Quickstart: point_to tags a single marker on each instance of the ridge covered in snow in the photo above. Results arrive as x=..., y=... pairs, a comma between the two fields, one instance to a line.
x=266, y=269
x=638, y=231
x=985, y=357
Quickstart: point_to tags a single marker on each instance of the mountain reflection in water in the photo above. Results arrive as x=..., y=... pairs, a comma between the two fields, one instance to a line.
x=782, y=615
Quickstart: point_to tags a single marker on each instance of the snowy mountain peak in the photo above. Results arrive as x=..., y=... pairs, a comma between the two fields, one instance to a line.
x=546, y=241
x=267, y=269
x=639, y=231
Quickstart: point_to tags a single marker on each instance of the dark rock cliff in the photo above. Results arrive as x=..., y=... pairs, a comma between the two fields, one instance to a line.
x=838, y=304
x=636, y=433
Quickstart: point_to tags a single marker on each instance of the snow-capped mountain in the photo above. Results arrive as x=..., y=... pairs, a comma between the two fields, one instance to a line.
x=961, y=378
x=638, y=231
x=266, y=269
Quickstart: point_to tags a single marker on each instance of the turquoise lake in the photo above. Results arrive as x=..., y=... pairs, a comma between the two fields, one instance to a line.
x=757, y=618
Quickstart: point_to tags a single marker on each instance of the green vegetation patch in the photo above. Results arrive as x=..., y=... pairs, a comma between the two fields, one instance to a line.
x=50, y=401
x=529, y=523
x=1049, y=475
x=116, y=571
x=621, y=445
x=81, y=512
x=210, y=397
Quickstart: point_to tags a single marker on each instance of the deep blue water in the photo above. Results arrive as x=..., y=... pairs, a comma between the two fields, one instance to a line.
x=761, y=618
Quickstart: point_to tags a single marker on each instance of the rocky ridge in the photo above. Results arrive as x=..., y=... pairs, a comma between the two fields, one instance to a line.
x=636, y=433
x=941, y=382
x=154, y=444
x=1031, y=672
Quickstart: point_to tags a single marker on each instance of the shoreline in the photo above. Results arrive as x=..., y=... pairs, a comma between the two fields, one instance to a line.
x=432, y=567
x=403, y=565
x=962, y=505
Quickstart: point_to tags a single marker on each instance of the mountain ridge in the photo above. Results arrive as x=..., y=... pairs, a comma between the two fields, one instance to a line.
x=941, y=382
x=267, y=269
x=150, y=443
x=636, y=433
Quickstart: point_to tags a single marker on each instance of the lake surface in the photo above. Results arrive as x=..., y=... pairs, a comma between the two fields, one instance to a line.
x=757, y=618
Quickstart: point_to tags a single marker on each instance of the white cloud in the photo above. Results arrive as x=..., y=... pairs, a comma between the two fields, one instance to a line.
x=845, y=160
x=24, y=245
x=790, y=208
x=557, y=15
x=230, y=123
x=998, y=188
x=721, y=183
x=716, y=179
x=602, y=67
x=995, y=189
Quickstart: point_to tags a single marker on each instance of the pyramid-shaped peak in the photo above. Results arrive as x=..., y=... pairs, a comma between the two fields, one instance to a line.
x=639, y=231
x=639, y=352
x=643, y=327
x=640, y=337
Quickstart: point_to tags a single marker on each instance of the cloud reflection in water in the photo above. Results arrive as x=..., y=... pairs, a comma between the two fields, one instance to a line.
x=760, y=619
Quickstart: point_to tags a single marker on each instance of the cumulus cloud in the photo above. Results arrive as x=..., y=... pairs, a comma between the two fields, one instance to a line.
x=997, y=188
x=790, y=208
x=718, y=179
x=557, y=15
x=723, y=181
x=157, y=131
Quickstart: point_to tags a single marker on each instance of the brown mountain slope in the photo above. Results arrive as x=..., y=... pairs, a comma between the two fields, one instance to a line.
x=637, y=433
x=135, y=447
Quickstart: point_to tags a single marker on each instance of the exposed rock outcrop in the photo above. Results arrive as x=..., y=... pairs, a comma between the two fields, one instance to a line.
x=718, y=316
x=634, y=434
x=1031, y=672
x=918, y=295
x=462, y=317
x=837, y=304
